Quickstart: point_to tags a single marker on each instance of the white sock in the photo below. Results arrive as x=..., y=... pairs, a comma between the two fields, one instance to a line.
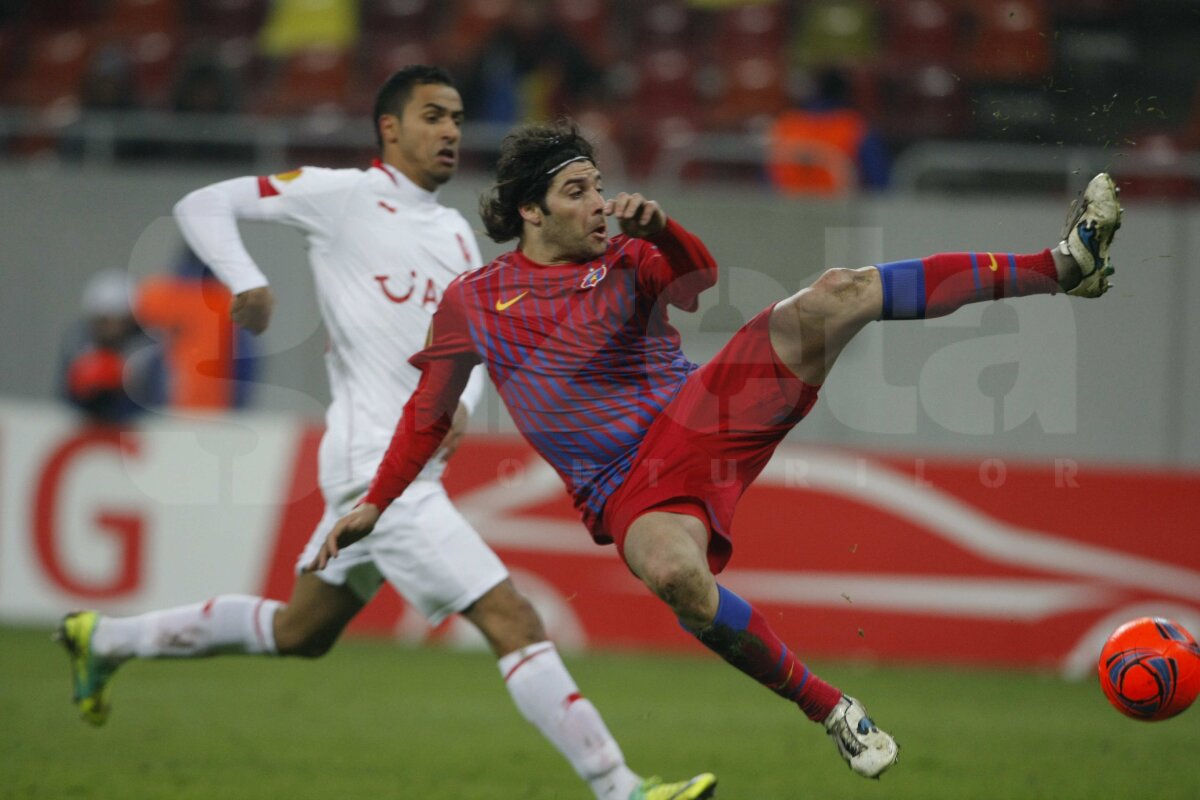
x=228, y=623
x=546, y=695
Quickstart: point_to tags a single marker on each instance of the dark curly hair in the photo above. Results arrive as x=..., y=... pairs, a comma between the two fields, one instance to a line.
x=530, y=156
x=396, y=91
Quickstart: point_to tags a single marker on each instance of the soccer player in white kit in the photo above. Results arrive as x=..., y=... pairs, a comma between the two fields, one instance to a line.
x=382, y=250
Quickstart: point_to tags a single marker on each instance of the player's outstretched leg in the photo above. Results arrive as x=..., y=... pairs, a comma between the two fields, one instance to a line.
x=666, y=552
x=1080, y=265
x=90, y=674
x=97, y=645
x=699, y=787
x=866, y=749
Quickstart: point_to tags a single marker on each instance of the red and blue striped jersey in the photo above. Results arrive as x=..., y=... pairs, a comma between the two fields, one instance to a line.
x=583, y=355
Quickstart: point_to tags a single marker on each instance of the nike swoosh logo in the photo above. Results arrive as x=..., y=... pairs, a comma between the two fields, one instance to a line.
x=993, y=266
x=503, y=304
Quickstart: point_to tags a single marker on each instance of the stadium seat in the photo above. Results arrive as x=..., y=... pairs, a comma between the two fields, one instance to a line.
x=1011, y=42
x=132, y=17
x=645, y=143
x=154, y=57
x=313, y=80
x=664, y=105
x=386, y=53
x=926, y=102
x=746, y=31
x=753, y=92
x=663, y=24
x=589, y=23
x=922, y=32
x=665, y=83
x=54, y=70
x=474, y=21
x=410, y=19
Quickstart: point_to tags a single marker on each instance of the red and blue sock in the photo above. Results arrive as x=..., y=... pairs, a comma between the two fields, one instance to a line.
x=934, y=286
x=741, y=636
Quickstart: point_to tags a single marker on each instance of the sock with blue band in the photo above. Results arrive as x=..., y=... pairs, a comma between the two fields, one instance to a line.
x=741, y=636
x=937, y=285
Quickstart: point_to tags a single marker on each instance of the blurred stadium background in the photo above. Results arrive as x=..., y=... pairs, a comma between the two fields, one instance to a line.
x=995, y=490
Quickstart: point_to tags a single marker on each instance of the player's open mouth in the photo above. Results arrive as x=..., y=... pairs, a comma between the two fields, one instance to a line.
x=447, y=157
x=600, y=232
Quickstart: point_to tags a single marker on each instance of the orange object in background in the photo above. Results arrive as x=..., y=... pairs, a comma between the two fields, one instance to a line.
x=191, y=318
x=815, y=152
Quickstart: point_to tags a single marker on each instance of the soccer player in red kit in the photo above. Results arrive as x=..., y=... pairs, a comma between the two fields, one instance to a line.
x=655, y=450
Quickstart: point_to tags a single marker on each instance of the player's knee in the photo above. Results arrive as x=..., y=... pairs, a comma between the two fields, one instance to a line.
x=680, y=584
x=839, y=292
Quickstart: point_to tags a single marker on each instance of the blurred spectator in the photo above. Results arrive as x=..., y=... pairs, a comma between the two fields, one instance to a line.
x=110, y=369
x=204, y=86
x=210, y=364
x=295, y=25
x=826, y=146
x=108, y=83
x=529, y=68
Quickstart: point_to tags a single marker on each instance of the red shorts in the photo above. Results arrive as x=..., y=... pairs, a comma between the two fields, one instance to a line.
x=712, y=440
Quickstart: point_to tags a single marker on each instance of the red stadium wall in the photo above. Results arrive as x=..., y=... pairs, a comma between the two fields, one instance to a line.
x=850, y=555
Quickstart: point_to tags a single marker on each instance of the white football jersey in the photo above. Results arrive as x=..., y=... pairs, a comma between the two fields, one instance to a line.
x=382, y=251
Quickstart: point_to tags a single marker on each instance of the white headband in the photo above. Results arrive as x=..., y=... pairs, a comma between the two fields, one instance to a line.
x=553, y=170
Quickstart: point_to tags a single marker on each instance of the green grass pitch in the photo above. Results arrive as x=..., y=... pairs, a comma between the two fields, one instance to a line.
x=376, y=720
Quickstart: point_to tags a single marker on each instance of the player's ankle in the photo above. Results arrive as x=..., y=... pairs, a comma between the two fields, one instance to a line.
x=1069, y=273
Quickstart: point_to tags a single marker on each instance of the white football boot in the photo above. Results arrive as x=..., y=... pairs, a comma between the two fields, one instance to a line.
x=868, y=750
x=1091, y=225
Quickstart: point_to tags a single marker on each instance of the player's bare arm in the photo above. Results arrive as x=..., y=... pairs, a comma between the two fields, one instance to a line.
x=252, y=309
x=424, y=425
x=637, y=216
x=361, y=521
x=348, y=530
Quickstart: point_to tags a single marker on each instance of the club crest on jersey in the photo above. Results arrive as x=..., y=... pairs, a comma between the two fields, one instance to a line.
x=594, y=276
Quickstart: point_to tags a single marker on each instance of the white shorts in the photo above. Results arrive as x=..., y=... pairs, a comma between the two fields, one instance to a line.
x=421, y=545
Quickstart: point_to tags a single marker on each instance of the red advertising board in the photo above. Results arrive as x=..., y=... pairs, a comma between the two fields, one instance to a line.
x=988, y=561
x=849, y=555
